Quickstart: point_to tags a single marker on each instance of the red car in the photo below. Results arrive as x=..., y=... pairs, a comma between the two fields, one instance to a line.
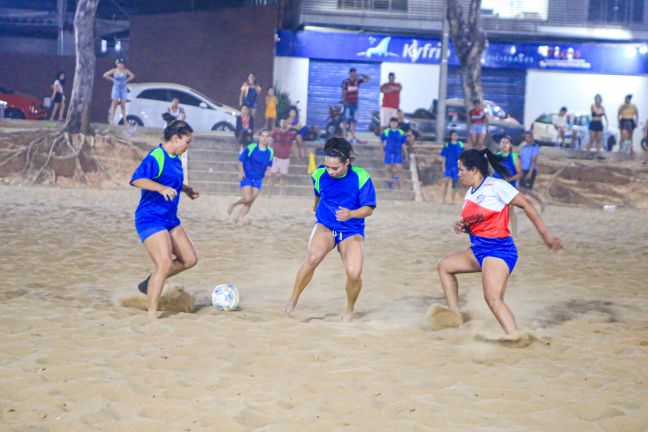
x=22, y=106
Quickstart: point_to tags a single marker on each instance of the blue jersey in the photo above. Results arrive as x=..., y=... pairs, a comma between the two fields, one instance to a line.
x=255, y=161
x=509, y=163
x=451, y=152
x=527, y=152
x=163, y=168
x=352, y=191
x=393, y=139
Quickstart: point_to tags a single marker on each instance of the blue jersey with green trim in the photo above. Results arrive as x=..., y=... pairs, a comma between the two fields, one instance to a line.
x=255, y=161
x=352, y=191
x=163, y=168
x=393, y=139
x=451, y=151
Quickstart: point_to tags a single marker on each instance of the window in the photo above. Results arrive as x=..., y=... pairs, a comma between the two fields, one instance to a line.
x=154, y=94
x=545, y=118
x=516, y=9
x=616, y=11
x=185, y=98
x=374, y=5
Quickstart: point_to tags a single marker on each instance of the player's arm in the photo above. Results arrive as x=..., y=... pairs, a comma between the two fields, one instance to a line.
x=130, y=76
x=108, y=75
x=191, y=193
x=147, y=184
x=550, y=239
x=317, y=199
x=365, y=78
x=343, y=214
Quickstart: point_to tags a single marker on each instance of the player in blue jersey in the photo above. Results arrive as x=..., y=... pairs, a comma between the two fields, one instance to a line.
x=450, y=154
x=514, y=166
x=255, y=159
x=344, y=197
x=394, y=143
x=161, y=179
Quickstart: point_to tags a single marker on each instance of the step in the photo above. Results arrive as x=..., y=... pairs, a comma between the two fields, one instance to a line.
x=231, y=188
x=295, y=167
x=300, y=178
x=232, y=152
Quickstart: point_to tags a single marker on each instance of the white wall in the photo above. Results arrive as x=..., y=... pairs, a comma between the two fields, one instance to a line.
x=291, y=76
x=547, y=91
x=420, y=83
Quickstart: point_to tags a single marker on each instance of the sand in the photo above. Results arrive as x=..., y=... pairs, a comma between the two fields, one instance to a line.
x=74, y=359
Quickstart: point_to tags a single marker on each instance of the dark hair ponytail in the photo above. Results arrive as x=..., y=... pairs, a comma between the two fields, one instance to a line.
x=339, y=148
x=480, y=159
x=177, y=127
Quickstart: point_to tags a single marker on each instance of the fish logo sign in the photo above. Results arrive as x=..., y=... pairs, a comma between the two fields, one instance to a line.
x=380, y=50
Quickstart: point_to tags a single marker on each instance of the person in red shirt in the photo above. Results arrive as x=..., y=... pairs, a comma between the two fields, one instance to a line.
x=478, y=125
x=391, y=100
x=350, y=96
x=282, y=142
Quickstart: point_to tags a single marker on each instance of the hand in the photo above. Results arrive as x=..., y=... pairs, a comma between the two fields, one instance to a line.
x=193, y=194
x=242, y=175
x=552, y=241
x=460, y=227
x=168, y=193
x=343, y=214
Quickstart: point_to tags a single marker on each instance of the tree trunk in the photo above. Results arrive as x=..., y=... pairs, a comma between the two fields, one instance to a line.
x=469, y=42
x=77, y=117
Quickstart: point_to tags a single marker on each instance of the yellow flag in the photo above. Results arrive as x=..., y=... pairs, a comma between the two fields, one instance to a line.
x=311, y=163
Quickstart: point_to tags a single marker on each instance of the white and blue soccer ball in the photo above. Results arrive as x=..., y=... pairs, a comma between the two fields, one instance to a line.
x=225, y=297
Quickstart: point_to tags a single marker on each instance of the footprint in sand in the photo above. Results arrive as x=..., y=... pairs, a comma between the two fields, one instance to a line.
x=440, y=317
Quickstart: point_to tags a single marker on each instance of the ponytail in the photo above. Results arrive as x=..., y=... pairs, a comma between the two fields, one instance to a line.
x=480, y=159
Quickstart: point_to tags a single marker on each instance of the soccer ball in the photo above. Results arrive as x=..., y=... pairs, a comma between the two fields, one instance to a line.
x=225, y=297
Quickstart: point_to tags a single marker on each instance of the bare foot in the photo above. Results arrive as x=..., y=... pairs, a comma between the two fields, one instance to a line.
x=230, y=209
x=289, y=307
x=348, y=316
x=152, y=314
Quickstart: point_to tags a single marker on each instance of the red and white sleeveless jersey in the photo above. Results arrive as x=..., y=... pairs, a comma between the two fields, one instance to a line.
x=485, y=209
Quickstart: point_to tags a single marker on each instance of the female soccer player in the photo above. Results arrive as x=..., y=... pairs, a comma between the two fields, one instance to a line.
x=160, y=177
x=344, y=197
x=485, y=216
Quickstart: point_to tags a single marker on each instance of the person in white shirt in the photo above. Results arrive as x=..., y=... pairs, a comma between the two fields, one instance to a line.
x=562, y=126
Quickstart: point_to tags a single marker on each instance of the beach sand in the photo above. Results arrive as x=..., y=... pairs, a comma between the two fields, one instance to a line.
x=74, y=359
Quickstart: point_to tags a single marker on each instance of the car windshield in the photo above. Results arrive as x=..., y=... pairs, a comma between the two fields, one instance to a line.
x=208, y=99
x=546, y=118
x=5, y=90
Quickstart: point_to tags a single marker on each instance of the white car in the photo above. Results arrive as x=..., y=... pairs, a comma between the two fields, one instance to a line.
x=148, y=101
x=581, y=123
x=544, y=131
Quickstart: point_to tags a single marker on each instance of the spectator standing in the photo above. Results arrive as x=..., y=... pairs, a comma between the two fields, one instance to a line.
x=295, y=125
x=282, y=142
x=58, y=98
x=628, y=117
x=596, y=126
x=244, y=126
x=250, y=91
x=561, y=123
x=450, y=160
x=529, y=154
x=478, y=125
x=271, y=108
x=391, y=100
x=394, y=145
x=350, y=98
x=120, y=77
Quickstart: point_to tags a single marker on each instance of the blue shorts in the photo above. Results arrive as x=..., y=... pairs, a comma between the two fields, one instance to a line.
x=350, y=112
x=146, y=228
x=339, y=236
x=119, y=93
x=251, y=104
x=393, y=158
x=478, y=128
x=453, y=173
x=255, y=183
x=503, y=248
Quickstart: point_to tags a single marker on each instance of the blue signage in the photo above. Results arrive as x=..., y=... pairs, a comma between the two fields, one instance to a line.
x=628, y=59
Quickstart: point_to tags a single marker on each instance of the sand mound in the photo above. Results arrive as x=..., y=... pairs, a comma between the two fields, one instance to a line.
x=440, y=317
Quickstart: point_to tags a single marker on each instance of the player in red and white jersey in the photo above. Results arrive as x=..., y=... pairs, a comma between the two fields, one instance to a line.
x=485, y=216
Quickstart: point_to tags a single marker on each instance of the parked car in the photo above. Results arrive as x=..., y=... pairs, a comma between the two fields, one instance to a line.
x=148, y=101
x=423, y=121
x=22, y=106
x=545, y=133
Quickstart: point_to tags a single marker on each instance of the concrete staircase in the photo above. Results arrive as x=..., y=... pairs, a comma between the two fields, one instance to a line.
x=213, y=161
